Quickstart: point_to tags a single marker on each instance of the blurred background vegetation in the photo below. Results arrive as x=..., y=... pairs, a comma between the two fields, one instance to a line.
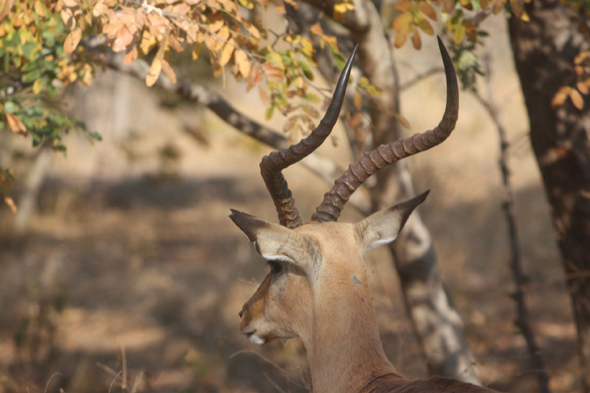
x=119, y=269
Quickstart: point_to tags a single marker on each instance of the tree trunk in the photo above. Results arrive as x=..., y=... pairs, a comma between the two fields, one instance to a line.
x=544, y=51
x=436, y=323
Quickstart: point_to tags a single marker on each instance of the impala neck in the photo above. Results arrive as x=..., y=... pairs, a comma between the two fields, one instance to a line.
x=344, y=347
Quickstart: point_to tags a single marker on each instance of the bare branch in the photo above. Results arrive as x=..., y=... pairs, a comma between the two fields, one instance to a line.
x=520, y=278
x=325, y=168
x=421, y=77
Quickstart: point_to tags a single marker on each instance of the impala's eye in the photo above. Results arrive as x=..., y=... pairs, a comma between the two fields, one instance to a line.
x=275, y=267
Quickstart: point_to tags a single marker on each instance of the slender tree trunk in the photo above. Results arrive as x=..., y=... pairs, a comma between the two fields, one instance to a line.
x=436, y=322
x=544, y=51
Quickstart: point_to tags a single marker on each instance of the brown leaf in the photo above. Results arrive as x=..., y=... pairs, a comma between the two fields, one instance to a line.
x=416, y=40
x=577, y=99
x=427, y=10
x=404, y=6
x=264, y=97
x=8, y=200
x=154, y=72
x=130, y=55
x=449, y=6
x=16, y=125
x=402, y=120
x=72, y=41
x=68, y=18
x=356, y=120
x=402, y=22
x=168, y=71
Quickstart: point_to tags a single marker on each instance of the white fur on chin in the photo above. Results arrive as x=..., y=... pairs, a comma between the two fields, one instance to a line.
x=255, y=339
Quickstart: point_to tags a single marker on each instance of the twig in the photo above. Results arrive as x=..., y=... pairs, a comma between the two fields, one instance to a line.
x=520, y=278
x=106, y=368
x=421, y=77
x=273, y=383
x=124, y=362
x=325, y=168
x=113, y=381
x=138, y=380
x=54, y=374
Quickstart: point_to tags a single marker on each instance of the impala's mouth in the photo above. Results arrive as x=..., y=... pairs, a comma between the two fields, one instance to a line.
x=255, y=338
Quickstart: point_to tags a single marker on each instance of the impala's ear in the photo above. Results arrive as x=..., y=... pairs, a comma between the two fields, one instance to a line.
x=383, y=227
x=274, y=242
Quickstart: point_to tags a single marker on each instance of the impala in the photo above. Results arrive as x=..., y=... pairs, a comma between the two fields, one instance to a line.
x=317, y=288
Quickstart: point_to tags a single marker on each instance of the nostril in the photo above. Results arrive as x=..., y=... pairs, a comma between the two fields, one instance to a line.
x=240, y=313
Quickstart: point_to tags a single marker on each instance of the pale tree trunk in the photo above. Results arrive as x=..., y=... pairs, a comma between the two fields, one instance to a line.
x=436, y=322
x=544, y=51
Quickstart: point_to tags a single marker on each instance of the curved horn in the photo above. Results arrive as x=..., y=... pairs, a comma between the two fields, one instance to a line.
x=370, y=163
x=272, y=165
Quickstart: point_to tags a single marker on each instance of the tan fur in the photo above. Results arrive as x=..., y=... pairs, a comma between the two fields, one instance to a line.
x=322, y=295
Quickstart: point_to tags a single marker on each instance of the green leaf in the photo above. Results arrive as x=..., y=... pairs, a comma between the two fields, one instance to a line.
x=10, y=107
x=306, y=70
x=269, y=112
x=31, y=76
x=310, y=97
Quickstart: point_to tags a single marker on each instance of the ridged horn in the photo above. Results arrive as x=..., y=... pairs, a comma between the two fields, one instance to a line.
x=370, y=163
x=272, y=165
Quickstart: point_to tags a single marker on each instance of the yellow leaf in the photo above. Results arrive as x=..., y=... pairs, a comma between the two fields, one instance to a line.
x=459, y=34
x=560, y=97
x=197, y=50
x=168, y=71
x=279, y=6
x=427, y=10
x=402, y=22
x=72, y=41
x=401, y=38
x=425, y=25
x=358, y=100
x=40, y=9
x=243, y=63
x=8, y=200
x=38, y=86
x=316, y=29
x=582, y=87
x=154, y=72
x=226, y=53
x=577, y=99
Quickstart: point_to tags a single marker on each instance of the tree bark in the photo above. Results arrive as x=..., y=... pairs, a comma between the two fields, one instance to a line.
x=436, y=322
x=544, y=51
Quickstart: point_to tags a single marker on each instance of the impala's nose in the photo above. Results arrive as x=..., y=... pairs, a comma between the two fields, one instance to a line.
x=240, y=313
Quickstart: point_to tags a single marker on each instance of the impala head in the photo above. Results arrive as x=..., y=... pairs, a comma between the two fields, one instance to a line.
x=323, y=259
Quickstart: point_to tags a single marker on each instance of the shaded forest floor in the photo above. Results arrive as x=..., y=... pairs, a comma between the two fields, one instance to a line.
x=155, y=269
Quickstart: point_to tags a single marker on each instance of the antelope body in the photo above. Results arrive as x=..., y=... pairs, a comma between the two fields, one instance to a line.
x=318, y=288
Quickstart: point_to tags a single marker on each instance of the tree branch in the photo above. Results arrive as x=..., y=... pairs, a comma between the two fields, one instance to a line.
x=520, y=278
x=325, y=168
